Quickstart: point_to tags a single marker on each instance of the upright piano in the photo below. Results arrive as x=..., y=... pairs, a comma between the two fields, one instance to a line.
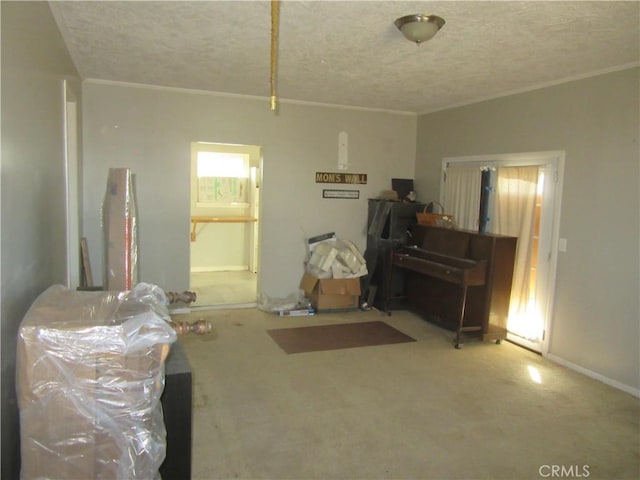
x=458, y=279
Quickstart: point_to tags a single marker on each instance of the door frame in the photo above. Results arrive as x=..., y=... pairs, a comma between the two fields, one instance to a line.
x=255, y=210
x=71, y=181
x=253, y=229
x=553, y=162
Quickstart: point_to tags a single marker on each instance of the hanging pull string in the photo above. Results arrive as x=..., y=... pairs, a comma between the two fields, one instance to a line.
x=275, y=20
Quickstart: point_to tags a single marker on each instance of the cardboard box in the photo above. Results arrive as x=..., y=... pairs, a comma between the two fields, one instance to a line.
x=120, y=231
x=327, y=294
x=90, y=372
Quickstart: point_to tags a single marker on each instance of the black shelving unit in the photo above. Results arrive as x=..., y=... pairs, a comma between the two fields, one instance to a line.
x=389, y=226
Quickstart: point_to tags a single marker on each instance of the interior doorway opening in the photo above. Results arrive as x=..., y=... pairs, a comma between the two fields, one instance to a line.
x=225, y=219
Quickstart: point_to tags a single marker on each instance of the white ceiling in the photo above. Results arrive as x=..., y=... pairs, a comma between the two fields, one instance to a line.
x=349, y=52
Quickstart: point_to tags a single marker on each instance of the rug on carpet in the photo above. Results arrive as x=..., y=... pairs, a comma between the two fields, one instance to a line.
x=336, y=336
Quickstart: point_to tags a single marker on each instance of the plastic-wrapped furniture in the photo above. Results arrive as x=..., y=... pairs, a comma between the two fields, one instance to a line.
x=90, y=373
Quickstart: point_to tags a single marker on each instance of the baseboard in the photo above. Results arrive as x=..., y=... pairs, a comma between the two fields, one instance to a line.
x=590, y=373
x=234, y=306
x=234, y=268
x=179, y=311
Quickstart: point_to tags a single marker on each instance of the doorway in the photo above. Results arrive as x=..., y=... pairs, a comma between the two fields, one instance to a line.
x=225, y=226
x=530, y=324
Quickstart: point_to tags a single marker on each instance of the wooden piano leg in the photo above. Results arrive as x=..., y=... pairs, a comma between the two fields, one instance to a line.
x=458, y=345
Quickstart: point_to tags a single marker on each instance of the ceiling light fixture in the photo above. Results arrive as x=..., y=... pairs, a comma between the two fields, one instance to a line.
x=419, y=28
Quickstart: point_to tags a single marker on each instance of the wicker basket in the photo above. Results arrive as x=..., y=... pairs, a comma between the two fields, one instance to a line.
x=435, y=219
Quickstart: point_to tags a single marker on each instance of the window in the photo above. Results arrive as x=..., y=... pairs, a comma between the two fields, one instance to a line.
x=222, y=178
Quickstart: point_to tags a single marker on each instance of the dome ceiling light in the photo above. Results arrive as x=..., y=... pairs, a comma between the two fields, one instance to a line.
x=419, y=28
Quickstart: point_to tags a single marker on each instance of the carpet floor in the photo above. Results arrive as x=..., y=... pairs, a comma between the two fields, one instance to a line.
x=417, y=410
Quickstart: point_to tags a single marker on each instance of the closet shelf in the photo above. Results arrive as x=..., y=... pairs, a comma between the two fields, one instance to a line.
x=196, y=220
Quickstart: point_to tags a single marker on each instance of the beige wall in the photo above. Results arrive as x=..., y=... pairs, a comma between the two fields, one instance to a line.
x=220, y=247
x=595, y=121
x=150, y=130
x=35, y=63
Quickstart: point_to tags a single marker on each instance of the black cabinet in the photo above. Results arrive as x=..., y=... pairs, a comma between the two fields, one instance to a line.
x=176, y=409
x=389, y=226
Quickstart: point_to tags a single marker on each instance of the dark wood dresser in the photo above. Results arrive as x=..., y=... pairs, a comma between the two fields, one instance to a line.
x=456, y=278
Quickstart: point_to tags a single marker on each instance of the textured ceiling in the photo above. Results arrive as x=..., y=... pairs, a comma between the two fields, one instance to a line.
x=349, y=52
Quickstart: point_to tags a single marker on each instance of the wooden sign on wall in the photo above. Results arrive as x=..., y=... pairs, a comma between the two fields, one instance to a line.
x=349, y=178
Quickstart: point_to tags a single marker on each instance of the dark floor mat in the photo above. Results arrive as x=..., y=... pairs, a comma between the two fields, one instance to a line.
x=333, y=337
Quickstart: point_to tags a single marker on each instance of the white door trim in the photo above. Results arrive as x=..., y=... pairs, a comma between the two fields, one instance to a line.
x=72, y=211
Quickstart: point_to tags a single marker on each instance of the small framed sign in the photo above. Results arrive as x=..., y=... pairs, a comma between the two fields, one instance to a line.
x=349, y=194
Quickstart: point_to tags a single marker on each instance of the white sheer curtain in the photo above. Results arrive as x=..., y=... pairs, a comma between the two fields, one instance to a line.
x=462, y=195
x=513, y=214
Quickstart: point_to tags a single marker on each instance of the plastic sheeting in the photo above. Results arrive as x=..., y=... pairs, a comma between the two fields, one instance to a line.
x=90, y=373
